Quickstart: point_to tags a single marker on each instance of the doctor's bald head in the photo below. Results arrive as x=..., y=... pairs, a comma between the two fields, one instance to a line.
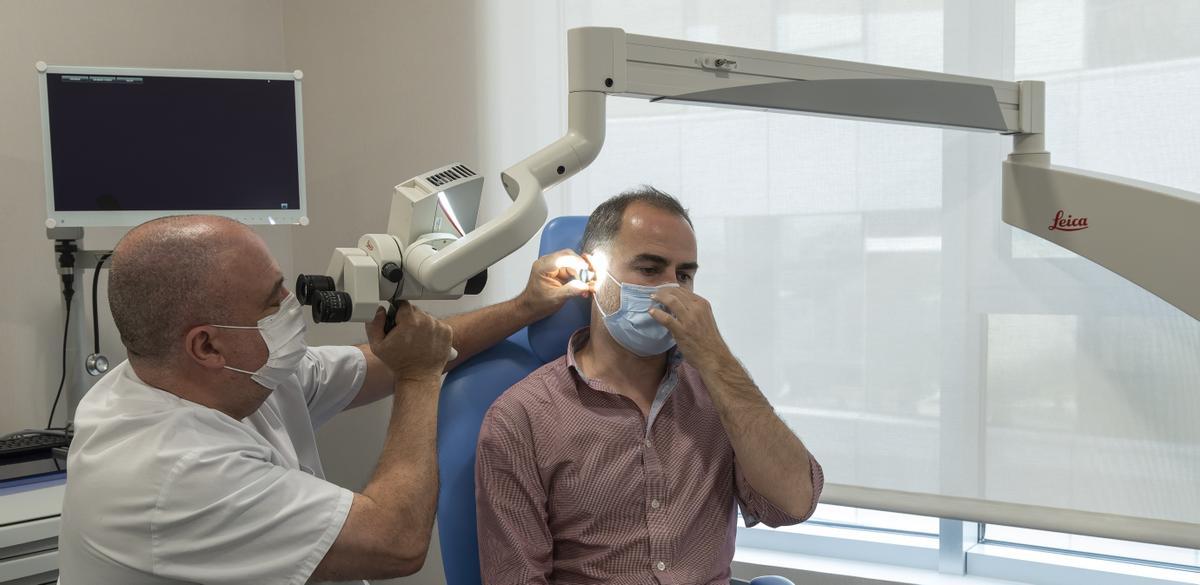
x=170, y=274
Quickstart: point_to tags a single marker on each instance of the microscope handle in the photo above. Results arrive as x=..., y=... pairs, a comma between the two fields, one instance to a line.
x=389, y=323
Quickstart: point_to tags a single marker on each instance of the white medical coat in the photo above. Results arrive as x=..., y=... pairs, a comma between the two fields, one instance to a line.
x=163, y=491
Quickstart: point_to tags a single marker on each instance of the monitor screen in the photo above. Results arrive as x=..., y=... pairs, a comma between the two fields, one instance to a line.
x=124, y=145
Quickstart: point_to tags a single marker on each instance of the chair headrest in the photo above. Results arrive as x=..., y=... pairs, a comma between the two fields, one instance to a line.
x=548, y=337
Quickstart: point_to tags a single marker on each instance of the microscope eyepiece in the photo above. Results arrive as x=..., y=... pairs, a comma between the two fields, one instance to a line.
x=308, y=285
x=332, y=306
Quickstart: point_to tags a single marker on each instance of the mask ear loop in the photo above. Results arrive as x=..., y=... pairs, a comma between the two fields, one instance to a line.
x=596, y=297
x=243, y=327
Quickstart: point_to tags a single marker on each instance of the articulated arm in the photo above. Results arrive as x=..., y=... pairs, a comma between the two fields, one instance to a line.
x=1144, y=232
x=524, y=182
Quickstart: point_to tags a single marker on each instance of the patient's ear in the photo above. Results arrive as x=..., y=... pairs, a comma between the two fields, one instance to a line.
x=598, y=260
x=593, y=276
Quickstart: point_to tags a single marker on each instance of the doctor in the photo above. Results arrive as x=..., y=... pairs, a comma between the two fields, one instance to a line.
x=195, y=461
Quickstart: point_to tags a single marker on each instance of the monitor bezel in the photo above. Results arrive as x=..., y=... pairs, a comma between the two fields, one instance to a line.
x=56, y=218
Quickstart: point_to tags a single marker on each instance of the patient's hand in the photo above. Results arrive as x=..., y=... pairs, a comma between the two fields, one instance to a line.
x=552, y=281
x=691, y=322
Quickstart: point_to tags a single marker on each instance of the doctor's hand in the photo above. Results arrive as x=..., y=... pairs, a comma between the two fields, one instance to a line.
x=418, y=347
x=690, y=320
x=552, y=281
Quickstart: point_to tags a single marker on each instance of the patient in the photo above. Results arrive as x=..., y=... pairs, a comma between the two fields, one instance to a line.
x=622, y=461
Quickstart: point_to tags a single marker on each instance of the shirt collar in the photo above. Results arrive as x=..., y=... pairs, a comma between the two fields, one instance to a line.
x=580, y=338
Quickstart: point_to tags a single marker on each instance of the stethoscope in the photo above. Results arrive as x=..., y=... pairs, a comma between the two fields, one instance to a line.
x=96, y=363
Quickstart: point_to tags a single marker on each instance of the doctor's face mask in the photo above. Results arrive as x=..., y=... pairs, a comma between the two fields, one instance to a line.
x=283, y=332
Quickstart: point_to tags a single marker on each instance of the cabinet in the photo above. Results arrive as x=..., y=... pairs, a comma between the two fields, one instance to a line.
x=29, y=522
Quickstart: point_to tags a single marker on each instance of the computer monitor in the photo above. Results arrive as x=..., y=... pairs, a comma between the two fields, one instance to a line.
x=123, y=146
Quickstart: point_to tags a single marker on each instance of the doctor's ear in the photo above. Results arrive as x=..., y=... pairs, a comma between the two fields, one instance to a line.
x=201, y=347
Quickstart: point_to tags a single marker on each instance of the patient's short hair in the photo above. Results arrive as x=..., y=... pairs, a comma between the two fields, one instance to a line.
x=605, y=221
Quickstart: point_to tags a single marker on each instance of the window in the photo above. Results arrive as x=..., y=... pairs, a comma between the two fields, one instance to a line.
x=863, y=275
x=1118, y=550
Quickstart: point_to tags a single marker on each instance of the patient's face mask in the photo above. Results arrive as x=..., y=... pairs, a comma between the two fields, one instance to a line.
x=283, y=333
x=631, y=324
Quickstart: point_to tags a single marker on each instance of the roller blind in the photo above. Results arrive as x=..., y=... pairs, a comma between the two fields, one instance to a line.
x=935, y=360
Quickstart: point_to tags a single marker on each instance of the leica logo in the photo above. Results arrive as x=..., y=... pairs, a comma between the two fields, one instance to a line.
x=1068, y=223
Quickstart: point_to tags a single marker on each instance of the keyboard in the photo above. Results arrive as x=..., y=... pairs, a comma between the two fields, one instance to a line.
x=27, y=444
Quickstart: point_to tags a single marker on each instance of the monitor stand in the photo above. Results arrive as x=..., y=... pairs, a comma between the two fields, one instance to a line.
x=71, y=261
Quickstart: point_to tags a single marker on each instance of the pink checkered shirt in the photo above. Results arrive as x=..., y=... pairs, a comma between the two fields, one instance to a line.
x=573, y=485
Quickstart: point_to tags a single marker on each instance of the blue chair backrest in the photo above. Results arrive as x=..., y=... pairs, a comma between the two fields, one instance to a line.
x=469, y=391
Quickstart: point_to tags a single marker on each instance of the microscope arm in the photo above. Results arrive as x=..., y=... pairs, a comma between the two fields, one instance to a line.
x=524, y=182
x=1141, y=231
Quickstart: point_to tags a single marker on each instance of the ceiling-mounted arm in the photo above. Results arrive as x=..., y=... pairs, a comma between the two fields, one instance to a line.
x=1139, y=230
x=671, y=70
x=1142, y=231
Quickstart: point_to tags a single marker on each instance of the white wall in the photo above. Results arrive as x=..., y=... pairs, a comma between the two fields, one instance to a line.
x=390, y=92
x=222, y=34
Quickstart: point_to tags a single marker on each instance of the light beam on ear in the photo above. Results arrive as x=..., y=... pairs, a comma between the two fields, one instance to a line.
x=570, y=261
x=599, y=261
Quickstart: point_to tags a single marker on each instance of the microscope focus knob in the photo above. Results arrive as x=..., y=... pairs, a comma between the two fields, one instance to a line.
x=392, y=272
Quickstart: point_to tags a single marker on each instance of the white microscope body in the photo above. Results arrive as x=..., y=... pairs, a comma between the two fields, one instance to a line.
x=433, y=249
x=429, y=212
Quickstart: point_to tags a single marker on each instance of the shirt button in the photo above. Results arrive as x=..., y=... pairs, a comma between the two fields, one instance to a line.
x=648, y=443
x=654, y=504
x=661, y=566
